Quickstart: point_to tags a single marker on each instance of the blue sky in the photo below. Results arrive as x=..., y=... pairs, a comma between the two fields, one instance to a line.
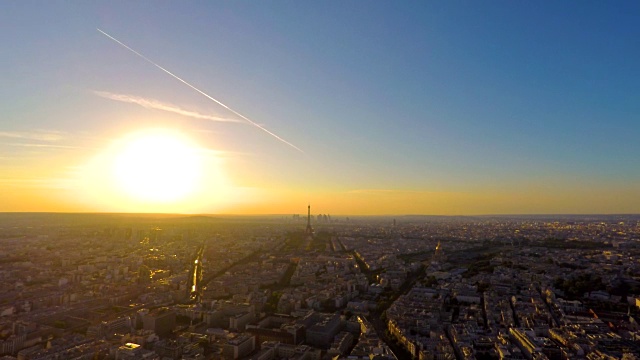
x=505, y=98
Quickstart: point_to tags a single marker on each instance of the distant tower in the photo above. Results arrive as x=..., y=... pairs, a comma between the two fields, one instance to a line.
x=438, y=255
x=309, y=229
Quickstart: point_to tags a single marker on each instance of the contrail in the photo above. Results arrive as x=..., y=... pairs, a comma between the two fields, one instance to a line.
x=200, y=91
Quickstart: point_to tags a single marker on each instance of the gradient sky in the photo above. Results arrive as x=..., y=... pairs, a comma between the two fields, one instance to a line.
x=423, y=107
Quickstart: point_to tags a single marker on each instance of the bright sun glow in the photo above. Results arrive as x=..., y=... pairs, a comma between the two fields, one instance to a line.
x=157, y=170
x=158, y=166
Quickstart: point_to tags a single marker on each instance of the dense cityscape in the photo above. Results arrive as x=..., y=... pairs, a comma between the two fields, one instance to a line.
x=320, y=180
x=109, y=286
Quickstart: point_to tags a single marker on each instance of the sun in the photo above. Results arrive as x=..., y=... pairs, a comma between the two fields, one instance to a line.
x=159, y=166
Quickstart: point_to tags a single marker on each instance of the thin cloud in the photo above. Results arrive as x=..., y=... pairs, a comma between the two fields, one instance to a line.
x=49, y=146
x=374, y=191
x=50, y=183
x=39, y=135
x=158, y=105
x=390, y=191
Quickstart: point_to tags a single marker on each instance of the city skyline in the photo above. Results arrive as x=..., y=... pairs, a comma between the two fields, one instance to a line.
x=435, y=108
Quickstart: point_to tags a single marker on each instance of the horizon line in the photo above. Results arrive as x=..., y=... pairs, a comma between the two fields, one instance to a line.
x=289, y=214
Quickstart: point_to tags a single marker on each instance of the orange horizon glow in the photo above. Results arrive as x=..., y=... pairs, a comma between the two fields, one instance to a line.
x=257, y=201
x=115, y=179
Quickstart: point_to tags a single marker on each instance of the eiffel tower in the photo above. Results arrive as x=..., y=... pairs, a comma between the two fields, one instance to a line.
x=309, y=229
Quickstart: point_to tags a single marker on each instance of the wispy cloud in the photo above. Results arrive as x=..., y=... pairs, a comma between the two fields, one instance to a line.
x=200, y=91
x=158, y=105
x=38, y=135
x=49, y=146
x=380, y=191
x=49, y=183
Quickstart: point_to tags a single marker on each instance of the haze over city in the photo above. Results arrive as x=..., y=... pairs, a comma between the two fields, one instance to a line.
x=362, y=108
